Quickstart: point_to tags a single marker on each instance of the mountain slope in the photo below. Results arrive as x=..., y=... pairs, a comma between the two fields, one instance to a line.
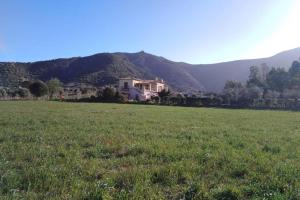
x=105, y=68
x=214, y=76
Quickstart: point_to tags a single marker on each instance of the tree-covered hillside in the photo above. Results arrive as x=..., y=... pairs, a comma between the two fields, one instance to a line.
x=106, y=68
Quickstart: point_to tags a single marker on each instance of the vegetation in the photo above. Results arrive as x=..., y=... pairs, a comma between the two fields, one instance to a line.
x=23, y=92
x=270, y=88
x=38, y=88
x=53, y=150
x=164, y=93
x=107, y=94
x=3, y=93
x=8, y=93
x=54, y=86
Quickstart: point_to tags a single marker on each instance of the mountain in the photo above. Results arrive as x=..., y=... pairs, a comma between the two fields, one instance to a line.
x=213, y=76
x=105, y=68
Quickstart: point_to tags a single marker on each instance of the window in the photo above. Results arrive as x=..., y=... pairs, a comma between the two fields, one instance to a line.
x=125, y=85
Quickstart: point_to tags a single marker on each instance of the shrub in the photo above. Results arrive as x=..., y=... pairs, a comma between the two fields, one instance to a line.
x=23, y=92
x=164, y=93
x=26, y=84
x=108, y=94
x=119, y=97
x=38, y=88
x=3, y=93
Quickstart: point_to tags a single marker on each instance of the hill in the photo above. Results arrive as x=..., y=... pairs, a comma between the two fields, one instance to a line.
x=105, y=68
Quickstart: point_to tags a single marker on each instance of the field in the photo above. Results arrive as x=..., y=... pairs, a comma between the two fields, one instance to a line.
x=52, y=150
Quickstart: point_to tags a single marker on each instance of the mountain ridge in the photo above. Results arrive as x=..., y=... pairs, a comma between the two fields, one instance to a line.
x=105, y=68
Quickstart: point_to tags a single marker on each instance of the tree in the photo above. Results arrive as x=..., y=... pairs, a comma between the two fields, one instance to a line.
x=254, y=78
x=108, y=94
x=255, y=92
x=164, y=93
x=291, y=94
x=270, y=94
x=232, y=91
x=54, y=85
x=26, y=84
x=38, y=88
x=163, y=96
x=249, y=94
x=294, y=73
x=278, y=79
x=264, y=71
x=295, y=68
x=119, y=97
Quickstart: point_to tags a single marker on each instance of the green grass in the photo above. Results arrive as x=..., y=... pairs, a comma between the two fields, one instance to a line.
x=52, y=150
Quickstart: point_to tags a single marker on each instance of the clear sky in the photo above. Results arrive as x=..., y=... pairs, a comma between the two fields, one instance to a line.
x=194, y=31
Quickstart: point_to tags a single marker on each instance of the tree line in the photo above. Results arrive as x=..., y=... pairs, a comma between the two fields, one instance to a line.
x=274, y=88
x=33, y=89
x=265, y=88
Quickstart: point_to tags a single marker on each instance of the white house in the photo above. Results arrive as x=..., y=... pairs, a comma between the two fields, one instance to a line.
x=138, y=89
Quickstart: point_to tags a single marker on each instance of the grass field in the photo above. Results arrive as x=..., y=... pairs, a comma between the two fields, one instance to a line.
x=52, y=150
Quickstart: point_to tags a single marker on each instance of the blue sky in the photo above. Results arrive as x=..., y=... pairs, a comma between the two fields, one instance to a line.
x=194, y=31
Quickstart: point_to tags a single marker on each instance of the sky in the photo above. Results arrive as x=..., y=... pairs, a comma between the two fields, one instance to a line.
x=193, y=31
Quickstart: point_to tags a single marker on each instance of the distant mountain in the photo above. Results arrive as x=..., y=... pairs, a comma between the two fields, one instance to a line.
x=213, y=76
x=105, y=68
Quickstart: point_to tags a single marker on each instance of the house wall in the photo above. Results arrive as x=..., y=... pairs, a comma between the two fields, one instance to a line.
x=157, y=87
x=160, y=87
x=129, y=81
x=143, y=93
x=153, y=87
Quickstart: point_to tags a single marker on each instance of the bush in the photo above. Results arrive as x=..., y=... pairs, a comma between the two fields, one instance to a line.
x=108, y=94
x=23, y=92
x=38, y=88
x=26, y=84
x=3, y=93
x=164, y=93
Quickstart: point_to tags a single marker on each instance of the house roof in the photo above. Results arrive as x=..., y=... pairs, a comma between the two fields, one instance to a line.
x=142, y=80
